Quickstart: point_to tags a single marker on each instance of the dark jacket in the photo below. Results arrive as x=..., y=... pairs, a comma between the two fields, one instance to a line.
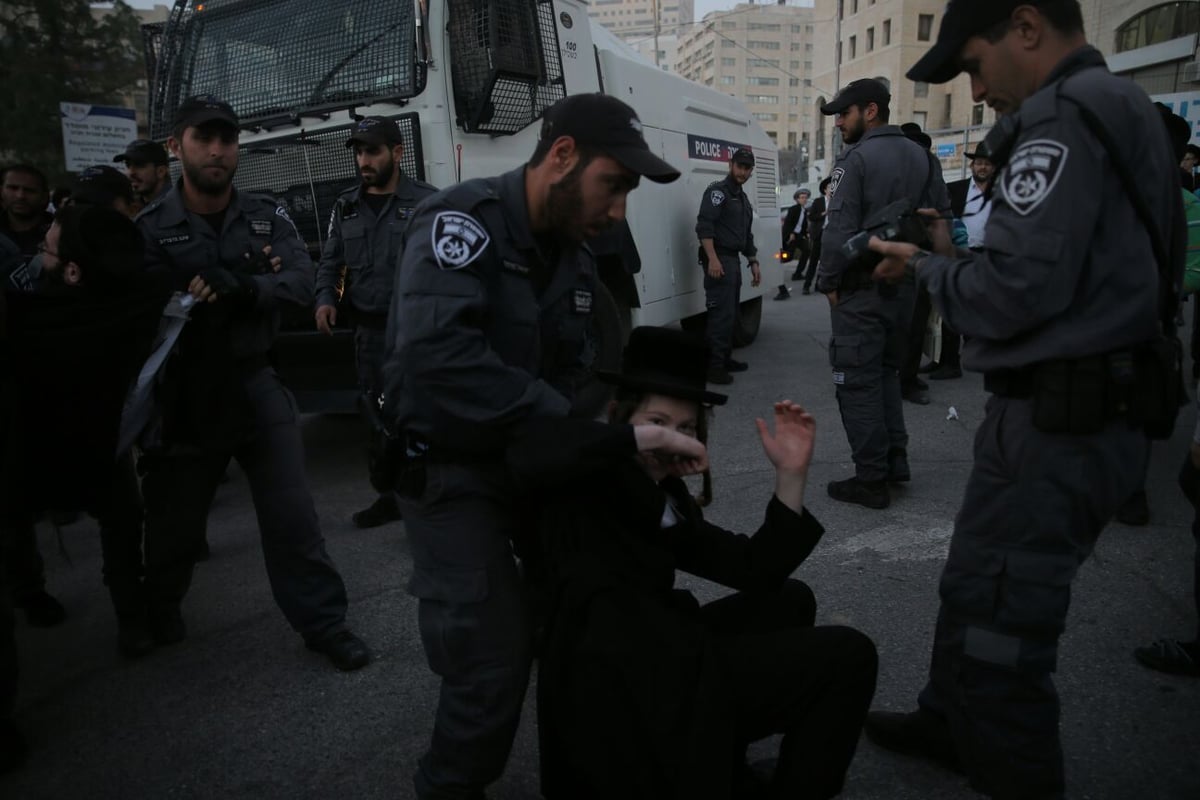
x=629, y=700
x=816, y=218
x=789, y=224
x=958, y=195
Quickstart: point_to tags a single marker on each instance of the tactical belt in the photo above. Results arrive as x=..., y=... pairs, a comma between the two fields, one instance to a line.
x=726, y=251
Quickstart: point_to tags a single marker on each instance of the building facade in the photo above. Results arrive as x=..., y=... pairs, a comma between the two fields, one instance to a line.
x=763, y=55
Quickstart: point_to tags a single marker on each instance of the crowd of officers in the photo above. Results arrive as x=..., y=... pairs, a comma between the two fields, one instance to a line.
x=470, y=309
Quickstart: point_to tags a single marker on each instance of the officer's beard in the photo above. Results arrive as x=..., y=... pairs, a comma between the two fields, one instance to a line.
x=565, y=207
x=379, y=179
x=202, y=182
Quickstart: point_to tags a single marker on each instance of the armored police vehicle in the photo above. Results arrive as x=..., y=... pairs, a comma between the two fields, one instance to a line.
x=467, y=82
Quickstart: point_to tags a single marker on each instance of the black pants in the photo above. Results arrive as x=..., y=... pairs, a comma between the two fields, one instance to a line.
x=916, y=337
x=1189, y=481
x=813, y=685
x=814, y=258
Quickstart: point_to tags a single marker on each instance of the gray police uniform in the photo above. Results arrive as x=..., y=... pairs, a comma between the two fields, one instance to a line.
x=487, y=330
x=181, y=477
x=1067, y=272
x=870, y=323
x=359, y=258
x=726, y=217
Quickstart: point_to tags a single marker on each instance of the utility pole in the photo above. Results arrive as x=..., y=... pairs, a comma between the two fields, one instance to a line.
x=654, y=9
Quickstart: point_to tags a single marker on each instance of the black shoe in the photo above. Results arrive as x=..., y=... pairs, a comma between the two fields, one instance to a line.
x=733, y=365
x=381, y=512
x=345, y=650
x=898, y=470
x=719, y=376
x=920, y=384
x=782, y=294
x=798, y=275
x=203, y=553
x=945, y=372
x=806, y=290
x=166, y=624
x=872, y=494
x=919, y=733
x=133, y=638
x=915, y=394
x=41, y=609
x=13, y=747
x=928, y=368
x=1135, y=510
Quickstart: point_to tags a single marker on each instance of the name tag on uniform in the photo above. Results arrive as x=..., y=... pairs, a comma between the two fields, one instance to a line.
x=404, y=213
x=260, y=227
x=520, y=269
x=178, y=238
x=581, y=301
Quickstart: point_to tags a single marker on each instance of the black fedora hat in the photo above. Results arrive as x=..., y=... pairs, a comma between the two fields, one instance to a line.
x=665, y=361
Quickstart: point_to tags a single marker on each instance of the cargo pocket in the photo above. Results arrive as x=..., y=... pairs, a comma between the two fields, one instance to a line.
x=1036, y=592
x=845, y=351
x=970, y=585
x=454, y=586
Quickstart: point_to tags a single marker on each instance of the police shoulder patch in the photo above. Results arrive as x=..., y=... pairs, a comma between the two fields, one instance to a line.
x=280, y=211
x=717, y=197
x=458, y=239
x=1031, y=174
x=835, y=178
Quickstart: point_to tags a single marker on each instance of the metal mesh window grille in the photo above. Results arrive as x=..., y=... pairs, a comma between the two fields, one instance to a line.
x=306, y=172
x=505, y=63
x=273, y=59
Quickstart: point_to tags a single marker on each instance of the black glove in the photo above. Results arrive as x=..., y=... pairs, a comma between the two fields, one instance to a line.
x=235, y=286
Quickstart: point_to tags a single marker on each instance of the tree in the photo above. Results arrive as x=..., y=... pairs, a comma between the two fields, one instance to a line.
x=53, y=51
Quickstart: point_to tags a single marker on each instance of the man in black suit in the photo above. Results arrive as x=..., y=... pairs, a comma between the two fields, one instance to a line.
x=816, y=226
x=795, y=237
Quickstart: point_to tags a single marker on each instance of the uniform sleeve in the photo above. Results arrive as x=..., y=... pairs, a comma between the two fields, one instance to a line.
x=710, y=212
x=438, y=315
x=293, y=283
x=843, y=219
x=331, y=267
x=751, y=250
x=939, y=192
x=783, y=541
x=1037, y=237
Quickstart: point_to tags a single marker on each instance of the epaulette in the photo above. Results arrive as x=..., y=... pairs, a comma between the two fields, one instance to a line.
x=149, y=207
x=470, y=194
x=423, y=185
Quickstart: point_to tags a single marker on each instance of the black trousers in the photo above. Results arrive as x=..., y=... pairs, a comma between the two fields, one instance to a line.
x=814, y=258
x=916, y=337
x=813, y=685
x=1189, y=481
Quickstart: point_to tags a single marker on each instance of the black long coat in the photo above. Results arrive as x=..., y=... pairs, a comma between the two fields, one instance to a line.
x=629, y=693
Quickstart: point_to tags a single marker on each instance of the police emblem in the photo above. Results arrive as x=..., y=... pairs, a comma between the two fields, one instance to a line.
x=717, y=197
x=1032, y=173
x=457, y=239
x=835, y=178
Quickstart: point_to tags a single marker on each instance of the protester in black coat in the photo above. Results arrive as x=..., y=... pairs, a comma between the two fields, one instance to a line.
x=643, y=692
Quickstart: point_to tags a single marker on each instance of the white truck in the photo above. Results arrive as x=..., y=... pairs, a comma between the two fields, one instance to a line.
x=467, y=81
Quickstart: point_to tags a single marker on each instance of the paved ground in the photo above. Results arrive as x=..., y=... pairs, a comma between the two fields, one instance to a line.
x=242, y=710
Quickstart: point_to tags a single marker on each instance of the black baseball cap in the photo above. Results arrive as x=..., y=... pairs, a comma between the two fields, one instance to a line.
x=142, y=151
x=203, y=108
x=963, y=19
x=375, y=130
x=858, y=93
x=743, y=155
x=610, y=126
x=101, y=185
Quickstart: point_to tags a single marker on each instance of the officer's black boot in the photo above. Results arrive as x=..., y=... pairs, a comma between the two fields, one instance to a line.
x=381, y=512
x=133, y=627
x=783, y=294
x=898, y=470
x=872, y=494
x=166, y=623
x=1135, y=510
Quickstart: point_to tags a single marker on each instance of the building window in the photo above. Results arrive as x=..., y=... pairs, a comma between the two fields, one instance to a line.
x=728, y=62
x=977, y=114
x=1159, y=24
x=841, y=9
x=924, y=27
x=920, y=89
x=762, y=26
x=839, y=52
x=728, y=80
x=793, y=82
x=791, y=140
x=920, y=117
x=729, y=26
x=796, y=29
x=793, y=65
x=755, y=80
x=808, y=66
x=948, y=111
x=763, y=99
x=853, y=47
x=756, y=44
x=870, y=39
x=765, y=116
x=853, y=6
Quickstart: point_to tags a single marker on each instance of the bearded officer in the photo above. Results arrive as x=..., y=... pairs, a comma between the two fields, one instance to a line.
x=221, y=398
x=487, y=330
x=358, y=263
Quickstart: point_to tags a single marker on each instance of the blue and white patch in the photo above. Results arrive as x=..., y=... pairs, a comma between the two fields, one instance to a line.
x=839, y=378
x=835, y=178
x=458, y=239
x=717, y=197
x=1032, y=173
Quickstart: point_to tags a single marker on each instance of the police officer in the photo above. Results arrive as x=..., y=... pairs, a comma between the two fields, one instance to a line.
x=146, y=165
x=1052, y=307
x=222, y=399
x=359, y=261
x=870, y=326
x=724, y=226
x=487, y=330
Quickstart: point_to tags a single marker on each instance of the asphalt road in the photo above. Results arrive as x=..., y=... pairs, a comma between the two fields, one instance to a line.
x=242, y=710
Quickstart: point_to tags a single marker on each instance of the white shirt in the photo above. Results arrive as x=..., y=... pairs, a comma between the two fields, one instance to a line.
x=800, y=220
x=976, y=211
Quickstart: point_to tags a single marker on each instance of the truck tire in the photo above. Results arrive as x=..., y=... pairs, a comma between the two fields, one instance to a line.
x=747, y=322
x=608, y=335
